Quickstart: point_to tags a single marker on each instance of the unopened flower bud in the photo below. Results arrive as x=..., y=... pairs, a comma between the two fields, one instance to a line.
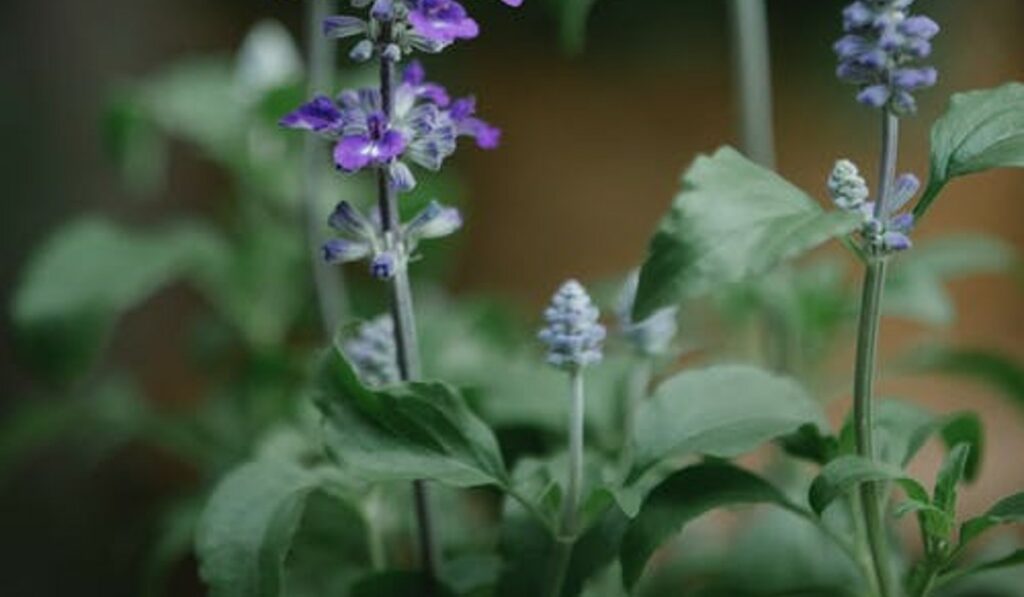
x=572, y=334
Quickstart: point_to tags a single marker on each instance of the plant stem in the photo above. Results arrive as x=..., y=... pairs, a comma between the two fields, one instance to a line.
x=569, y=528
x=639, y=381
x=404, y=319
x=864, y=373
x=328, y=281
x=752, y=79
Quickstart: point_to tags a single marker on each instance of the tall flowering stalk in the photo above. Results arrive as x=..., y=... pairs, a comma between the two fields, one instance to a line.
x=573, y=337
x=405, y=120
x=880, y=54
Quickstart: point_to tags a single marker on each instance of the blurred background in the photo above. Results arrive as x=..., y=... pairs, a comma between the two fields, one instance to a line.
x=595, y=139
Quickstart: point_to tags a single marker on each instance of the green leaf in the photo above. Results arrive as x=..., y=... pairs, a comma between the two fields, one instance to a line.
x=247, y=528
x=950, y=475
x=916, y=289
x=421, y=430
x=980, y=130
x=683, y=497
x=91, y=271
x=732, y=220
x=997, y=370
x=846, y=472
x=1013, y=559
x=721, y=411
x=572, y=15
x=1007, y=511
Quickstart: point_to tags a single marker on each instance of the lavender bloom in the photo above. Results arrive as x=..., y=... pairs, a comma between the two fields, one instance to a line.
x=423, y=128
x=384, y=265
x=572, y=334
x=435, y=221
x=358, y=237
x=442, y=21
x=652, y=336
x=372, y=352
x=880, y=52
x=885, y=229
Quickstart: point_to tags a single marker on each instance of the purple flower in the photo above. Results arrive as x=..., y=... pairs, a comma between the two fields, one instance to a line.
x=378, y=145
x=467, y=124
x=442, y=21
x=320, y=115
x=339, y=250
x=879, y=50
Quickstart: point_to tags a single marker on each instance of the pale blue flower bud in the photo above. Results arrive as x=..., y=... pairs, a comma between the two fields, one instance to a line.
x=372, y=352
x=846, y=186
x=340, y=250
x=362, y=51
x=435, y=221
x=383, y=265
x=572, y=334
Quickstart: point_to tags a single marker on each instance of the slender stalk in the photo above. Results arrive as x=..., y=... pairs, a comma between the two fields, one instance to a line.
x=571, y=505
x=328, y=281
x=752, y=79
x=639, y=381
x=404, y=318
x=864, y=372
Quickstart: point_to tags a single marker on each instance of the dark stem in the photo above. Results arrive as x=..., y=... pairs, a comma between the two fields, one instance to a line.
x=404, y=318
x=864, y=372
x=327, y=279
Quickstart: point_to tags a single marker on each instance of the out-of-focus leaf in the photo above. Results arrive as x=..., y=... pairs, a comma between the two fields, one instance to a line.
x=846, y=472
x=247, y=528
x=412, y=431
x=810, y=443
x=1013, y=559
x=91, y=271
x=267, y=60
x=980, y=130
x=1008, y=510
x=721, y=411
x=991, y=368
x=109, y=416
x=572, y=16
x=683, y=497
x=732, y=220
x=916, y=288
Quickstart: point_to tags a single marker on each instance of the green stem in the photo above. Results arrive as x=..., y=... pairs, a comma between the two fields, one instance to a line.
x=569, y=527
x=404, y=319
x=327, y=279
x=752, y=78
x=636, y=392
x=864, y=372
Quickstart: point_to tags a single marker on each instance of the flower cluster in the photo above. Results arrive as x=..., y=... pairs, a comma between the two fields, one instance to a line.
x=361, y=237
x=398, y=27
x=423, y=128
x=652, y=336
x=885, y=229
x=572, y=334
x=880, y=52
x=371, y=350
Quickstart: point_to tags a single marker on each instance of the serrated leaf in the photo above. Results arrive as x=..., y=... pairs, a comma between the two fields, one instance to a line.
x=681, y=498
x=980, y=130
x=92, y=270
x=721, y=411
x=732, y=220
x=1008, y=510
x=421, y=430
x=246, y=529
x=846, y=472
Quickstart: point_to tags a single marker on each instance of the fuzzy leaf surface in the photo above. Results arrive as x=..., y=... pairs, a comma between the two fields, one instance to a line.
x=732, y=220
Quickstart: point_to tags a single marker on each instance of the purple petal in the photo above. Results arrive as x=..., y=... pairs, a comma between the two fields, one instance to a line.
x=902, y=223
x=319, y=115
x=850, y=46
x=463, y=108
x=340, y=250
x=910, y=79
x=896, y=241
x=487, y=136
x=920, y=27
x=875, y=96
x=414, y=74
x=857, y=15
x=391, y=145
x=442, y=21
x=353, y=153
x=513, y=3
x=343, y=26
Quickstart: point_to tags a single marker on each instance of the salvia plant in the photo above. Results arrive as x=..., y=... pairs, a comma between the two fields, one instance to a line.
x=443, y=447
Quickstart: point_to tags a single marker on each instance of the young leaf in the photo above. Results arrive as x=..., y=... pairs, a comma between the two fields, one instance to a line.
x=733, y=219
x=1008, y=510
x=846, y=472
x=412, y=431
x=721, y=411
x=683, y=497
x=980, y=130
x=950, y=475
x=246, y=530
